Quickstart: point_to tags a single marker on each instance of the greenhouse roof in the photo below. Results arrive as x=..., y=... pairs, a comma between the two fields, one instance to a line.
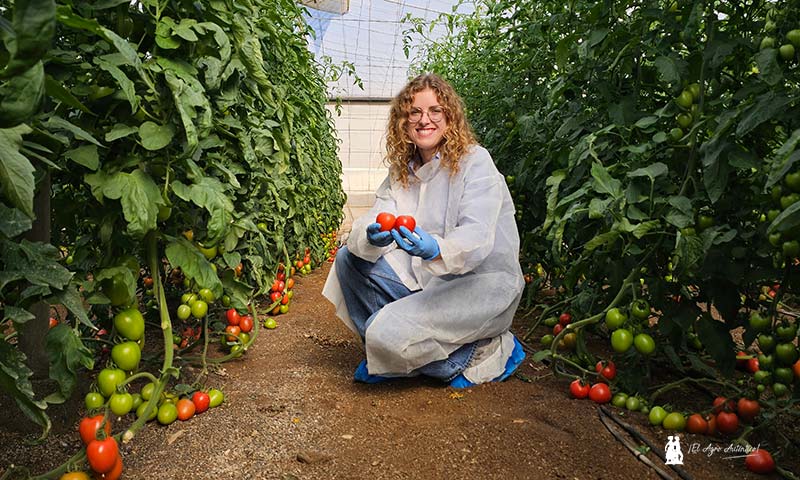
x=370, y=37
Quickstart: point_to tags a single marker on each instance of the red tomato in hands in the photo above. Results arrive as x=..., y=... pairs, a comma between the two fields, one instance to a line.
x=578, y=389
x=405, y=221
x=386, y=220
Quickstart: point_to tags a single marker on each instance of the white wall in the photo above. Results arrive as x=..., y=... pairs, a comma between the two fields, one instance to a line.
x=361, y=129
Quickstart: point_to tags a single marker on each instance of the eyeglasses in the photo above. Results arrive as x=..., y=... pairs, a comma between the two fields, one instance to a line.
x=435, y=114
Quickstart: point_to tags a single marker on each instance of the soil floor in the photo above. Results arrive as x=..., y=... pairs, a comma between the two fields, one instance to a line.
x=293, y=411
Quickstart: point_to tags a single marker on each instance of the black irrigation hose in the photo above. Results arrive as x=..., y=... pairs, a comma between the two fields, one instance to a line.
x=604, y=411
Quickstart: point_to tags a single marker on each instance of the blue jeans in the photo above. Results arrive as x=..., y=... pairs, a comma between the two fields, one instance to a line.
x=367, y=287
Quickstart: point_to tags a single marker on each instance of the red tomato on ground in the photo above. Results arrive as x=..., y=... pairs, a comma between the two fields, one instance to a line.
x=386, y=220
x=600, y=393
x=727, y=422
x=697, y=424
x=114, y=474
x=759, y=461
x=185, y=408
x=722, y=403
x=578, y=389
x=747, y=409
x=405, y=221
x=201, y=401
x=90, y=425
x=102, y=454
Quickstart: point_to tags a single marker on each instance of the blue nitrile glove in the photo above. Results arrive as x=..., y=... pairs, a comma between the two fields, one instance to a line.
x=419, y=243
x=376, y=237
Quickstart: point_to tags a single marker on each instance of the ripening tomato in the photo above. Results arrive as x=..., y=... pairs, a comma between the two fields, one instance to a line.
x=405, y=221
x=233, y=316
x=233, y=332
x=114, y=474
x=102, y=454
x=600, y=393
x=74, y=476
x=747, y=409
x=727, y=422
x=246, y=324
x=606, y=369
x=215, y=397
x=386, y=220
x=201, y=401
x=759, y=461
x=722, y=403
x=697, y=424
x=89, y=426
x=290, y=284
x=578, y=389
x=185, y=408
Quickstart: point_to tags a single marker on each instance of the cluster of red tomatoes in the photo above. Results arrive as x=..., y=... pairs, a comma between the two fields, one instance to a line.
x=599, y=392
x=388, y=221
x=237, y=331
x=331, y=244
x=281, y=292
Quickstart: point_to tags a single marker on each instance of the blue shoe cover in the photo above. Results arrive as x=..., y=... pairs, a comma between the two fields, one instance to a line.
x=363, y=376
x=514, y=361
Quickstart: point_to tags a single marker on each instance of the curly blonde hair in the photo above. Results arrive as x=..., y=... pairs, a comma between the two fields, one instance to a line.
x=458, y=135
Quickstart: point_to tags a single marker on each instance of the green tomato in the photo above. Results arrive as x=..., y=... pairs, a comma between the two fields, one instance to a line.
x=129, y=323
x=787, y=51
x=550, y=321
x=766, y=361
x=759, y=323
x=121, y=403
x=640, y=309
x=546, y=340
x=657, y=415
x=140, y=411
x=207, y=295
x=786, y=331
x=137, y=400
x=762, y=377
x=684, y=120
x=694, y=89
x=794, y=37
x=216, y=397
x=621, y=340
x=783, y=375
x=109, y=379
x=791, y=249
x=167, y=413
x=208, y=252
x=779, y=389
x=619, y=399
x=704, y=222
x=786, y=353
x=117, y=291
x=184, y=311
x=674, y=421
x=147, y=391
x=766, y=343
x=675, y=134
x=126, y=355
x=792, y=180
x=787, y=200
x=772, y=214
x=644, y=344
x=199, y=309
x=94, y=400
x=270, y=323
x=226, y=301
x=685, y=99
x=633, y=403
x=615, y=318
x=188, y=297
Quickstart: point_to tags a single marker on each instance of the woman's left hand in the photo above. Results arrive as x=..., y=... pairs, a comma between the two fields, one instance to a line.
x=419, y=243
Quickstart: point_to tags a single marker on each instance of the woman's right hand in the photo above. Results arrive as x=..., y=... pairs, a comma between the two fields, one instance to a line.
x=376, y=237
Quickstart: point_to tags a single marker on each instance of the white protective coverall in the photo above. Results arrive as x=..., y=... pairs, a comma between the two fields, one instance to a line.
x=470, y=293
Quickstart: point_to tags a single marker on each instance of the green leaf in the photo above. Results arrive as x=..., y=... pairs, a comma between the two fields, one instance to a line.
x=644, y=227
x=35, y=262
x=668, y=69
x=13, y=222
x=70, y=298
x=651, y=171
x=125, y=83
x=765, y=108
x=604, y=182
x=55, y=89
x=716, y=338
x=138, y=193
x=769, y=69
x=16, y=171
x=154, y=136
x=181, y=253
x=85, y=155
x=604, y=238
x=541, y=355
x=184, y=29
x=781, y=161
x=34, y=26
x=15, y=381
x=598, y=207
x=67, y=354
x=787, y=220
x=121, y=275
x=120, y=130
x=16, y=314
x=57, y=123
x=553, y=181
x=210, y=194
x=21, y=97
x=645, y=122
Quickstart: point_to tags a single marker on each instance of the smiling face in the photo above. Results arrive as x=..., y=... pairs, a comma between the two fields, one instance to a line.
x=426, y=134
